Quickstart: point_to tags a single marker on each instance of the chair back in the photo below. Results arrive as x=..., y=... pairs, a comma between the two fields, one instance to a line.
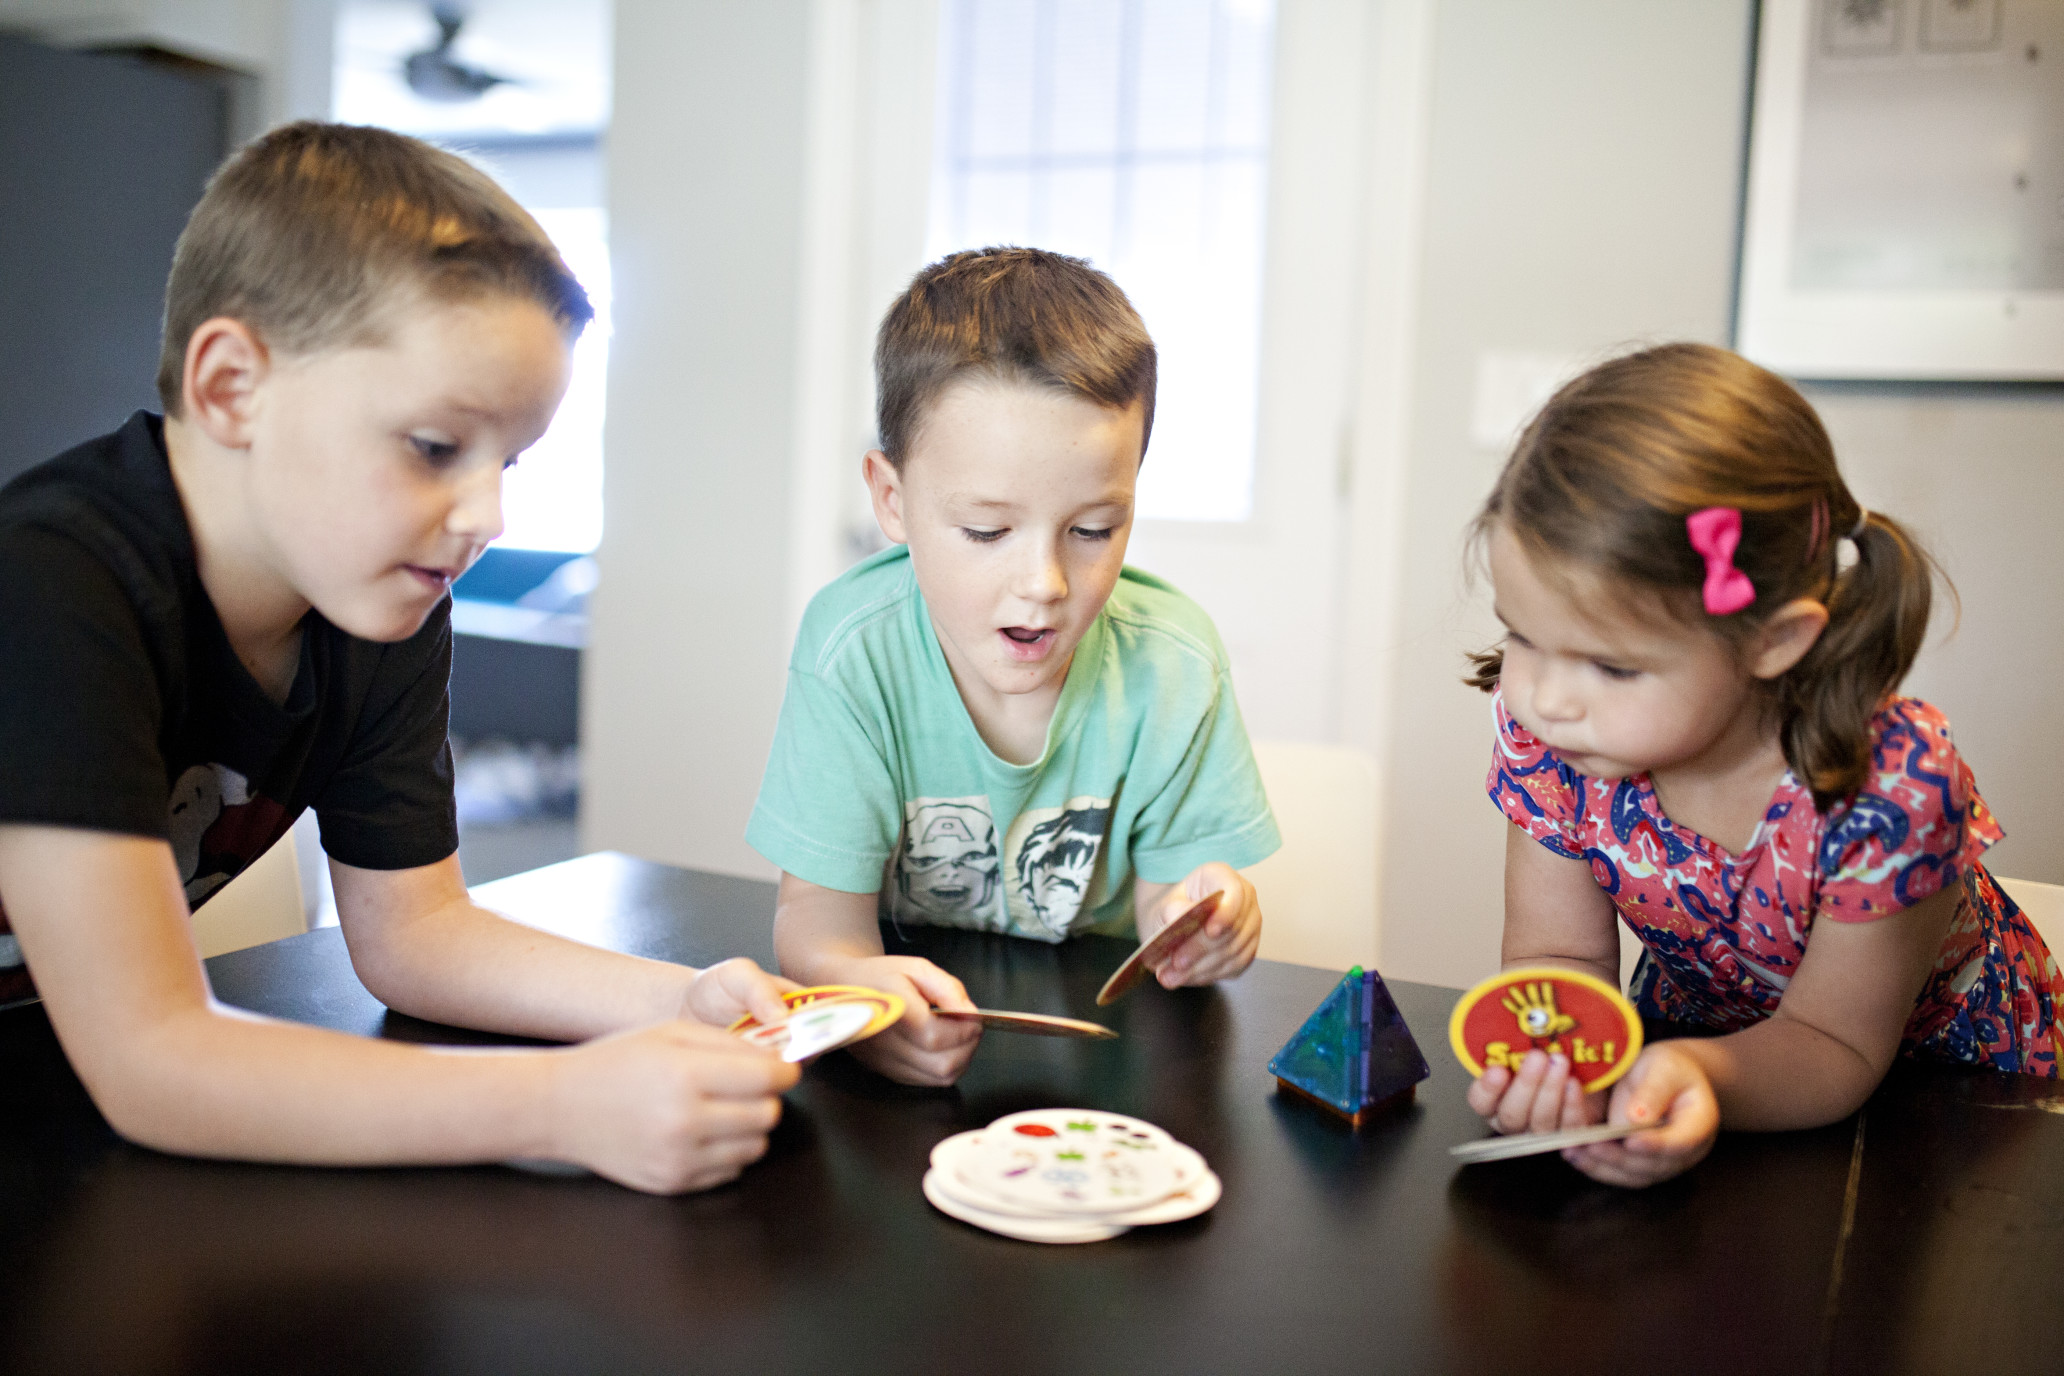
x=1318, y=893
x=262, y=904
x=2044, y=904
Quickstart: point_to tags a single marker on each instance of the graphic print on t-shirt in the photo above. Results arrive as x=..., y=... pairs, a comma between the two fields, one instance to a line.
x=218, y=826
x=1054, y=854
x=948, y=866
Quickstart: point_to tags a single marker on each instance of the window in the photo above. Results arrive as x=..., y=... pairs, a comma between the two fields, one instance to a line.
x=535, y=125
x=1133, y=133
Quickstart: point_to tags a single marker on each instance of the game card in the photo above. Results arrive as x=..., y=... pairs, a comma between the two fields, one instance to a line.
x=1552, y=1010
x=1136, y=966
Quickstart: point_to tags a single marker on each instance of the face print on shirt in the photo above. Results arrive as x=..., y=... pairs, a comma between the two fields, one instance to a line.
x=947, y=865
x=1054, y=854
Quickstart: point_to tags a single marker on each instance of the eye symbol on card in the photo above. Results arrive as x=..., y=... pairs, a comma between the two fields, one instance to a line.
x=1534, y=1006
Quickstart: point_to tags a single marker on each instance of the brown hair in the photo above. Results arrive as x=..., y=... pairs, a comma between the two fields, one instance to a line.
x=1602, y=481
x=1012, y=315
x=308, y=234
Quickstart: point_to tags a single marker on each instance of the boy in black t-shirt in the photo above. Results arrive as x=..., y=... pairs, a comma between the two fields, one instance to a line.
x=212, y=621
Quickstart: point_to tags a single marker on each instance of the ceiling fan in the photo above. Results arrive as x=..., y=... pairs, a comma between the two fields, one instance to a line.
x=435, y=75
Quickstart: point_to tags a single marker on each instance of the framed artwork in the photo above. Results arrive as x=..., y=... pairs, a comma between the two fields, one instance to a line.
x=1904, y=216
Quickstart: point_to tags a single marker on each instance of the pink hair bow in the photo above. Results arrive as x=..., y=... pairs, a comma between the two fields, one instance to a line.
x=1716, y=533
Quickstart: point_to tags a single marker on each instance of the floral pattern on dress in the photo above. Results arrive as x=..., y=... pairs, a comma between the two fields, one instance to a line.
x=1722, y=934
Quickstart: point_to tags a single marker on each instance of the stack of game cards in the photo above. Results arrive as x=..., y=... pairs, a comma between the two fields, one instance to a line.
x=1068, y=1175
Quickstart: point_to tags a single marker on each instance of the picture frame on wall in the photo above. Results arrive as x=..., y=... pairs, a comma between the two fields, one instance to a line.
x=1904, y=207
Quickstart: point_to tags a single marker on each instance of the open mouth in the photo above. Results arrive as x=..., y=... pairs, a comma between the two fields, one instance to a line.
x=436, y=580
x=1028, y=642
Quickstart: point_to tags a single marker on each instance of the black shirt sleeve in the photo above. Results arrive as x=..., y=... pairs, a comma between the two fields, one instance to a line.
x=389, y=805
x=80, y=705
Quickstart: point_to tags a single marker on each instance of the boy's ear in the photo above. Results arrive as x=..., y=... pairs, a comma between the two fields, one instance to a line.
x=225, y=363
x=1786, y=637
x=885, y=488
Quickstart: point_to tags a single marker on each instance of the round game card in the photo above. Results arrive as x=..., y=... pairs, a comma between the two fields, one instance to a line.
x=814, y=1029
x=1554, y=1010
x=1061, y=1161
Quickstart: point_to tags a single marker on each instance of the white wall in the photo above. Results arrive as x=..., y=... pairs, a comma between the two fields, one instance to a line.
x=1980, y=474
x=683, y=674
x=1582, y=165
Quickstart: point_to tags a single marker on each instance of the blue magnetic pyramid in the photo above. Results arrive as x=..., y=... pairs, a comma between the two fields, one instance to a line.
x=1354, y=1053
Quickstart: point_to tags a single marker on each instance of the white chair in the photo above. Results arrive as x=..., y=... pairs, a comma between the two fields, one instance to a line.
x=1318, y=893
x=262, y=904
x=2044, y=904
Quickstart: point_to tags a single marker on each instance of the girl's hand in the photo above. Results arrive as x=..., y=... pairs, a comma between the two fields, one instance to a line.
x=728, y=990
x=921, y=1049
x=1665, y=1083
x=665, y=1109
x=1542, y=1097
x=1225, y=945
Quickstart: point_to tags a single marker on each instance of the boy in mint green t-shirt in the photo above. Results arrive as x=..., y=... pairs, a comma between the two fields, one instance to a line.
x=994, y=723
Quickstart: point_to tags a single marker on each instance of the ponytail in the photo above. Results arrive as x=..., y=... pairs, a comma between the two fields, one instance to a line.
x=1877, y=619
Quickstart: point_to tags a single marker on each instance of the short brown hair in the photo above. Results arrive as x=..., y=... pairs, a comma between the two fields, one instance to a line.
x=307, y=234
x=1011, y=315
x=1604, y=476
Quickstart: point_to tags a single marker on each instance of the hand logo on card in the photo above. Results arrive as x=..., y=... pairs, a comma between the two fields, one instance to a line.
x=1561, y=1012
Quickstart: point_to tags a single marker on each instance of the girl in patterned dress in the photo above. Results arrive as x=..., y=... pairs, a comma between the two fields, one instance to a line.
x=1698, y=734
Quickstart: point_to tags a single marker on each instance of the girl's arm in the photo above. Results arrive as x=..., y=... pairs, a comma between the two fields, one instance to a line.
x=1555, y=914
x=103, y=924
x=422, y=946
x=1813, y=1061
x=1838, y=1026
x=829, y=936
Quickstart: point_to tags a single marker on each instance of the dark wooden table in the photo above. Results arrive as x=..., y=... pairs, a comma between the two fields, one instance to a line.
x=1926, y=1234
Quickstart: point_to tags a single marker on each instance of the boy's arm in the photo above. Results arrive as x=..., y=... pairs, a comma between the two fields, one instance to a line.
x=1223, y=947
x=102, y=923
x=423, y=947
x=828, y=936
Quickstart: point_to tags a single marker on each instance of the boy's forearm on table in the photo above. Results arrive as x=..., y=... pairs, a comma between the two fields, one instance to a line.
x=817, y=928
x=214, y=1081
x=471, y=967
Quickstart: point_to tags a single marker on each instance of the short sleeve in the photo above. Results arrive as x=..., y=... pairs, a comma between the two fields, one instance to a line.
x=1535, y=790
x=1917, y=824
x=828, y=810
x=1213, y=806
x=79, y=705
x=390, y=805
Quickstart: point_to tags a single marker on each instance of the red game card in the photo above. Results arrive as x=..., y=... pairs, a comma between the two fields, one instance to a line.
x=1578, y=1015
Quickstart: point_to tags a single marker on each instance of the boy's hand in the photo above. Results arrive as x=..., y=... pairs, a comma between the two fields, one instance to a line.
x=726, y=991
x=920, y=1049
x=1224, y=946
x=666, y=1109
x=1665, y=1084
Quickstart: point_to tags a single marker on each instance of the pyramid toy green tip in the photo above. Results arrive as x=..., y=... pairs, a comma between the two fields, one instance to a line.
x=1354, y=1056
